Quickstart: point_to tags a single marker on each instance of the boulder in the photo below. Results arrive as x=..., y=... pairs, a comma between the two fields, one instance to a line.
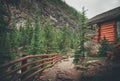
x=64, y=76
x=80, y=67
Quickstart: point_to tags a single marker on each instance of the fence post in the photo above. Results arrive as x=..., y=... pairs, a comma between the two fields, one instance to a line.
x=42, y=61
x=25, y=68
x=51, y=59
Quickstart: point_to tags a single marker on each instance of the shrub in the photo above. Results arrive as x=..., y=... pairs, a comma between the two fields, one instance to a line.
x=103, y=48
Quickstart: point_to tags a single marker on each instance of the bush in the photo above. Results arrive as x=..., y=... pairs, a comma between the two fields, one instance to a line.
x=103, y=48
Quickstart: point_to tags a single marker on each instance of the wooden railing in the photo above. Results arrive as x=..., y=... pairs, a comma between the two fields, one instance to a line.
x=28, y=67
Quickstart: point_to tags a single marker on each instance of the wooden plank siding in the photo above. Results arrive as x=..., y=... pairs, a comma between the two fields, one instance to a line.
x=96, y=36
x=106, y=29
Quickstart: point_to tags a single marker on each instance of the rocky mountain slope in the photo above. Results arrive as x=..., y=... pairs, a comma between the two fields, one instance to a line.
x=56, y=11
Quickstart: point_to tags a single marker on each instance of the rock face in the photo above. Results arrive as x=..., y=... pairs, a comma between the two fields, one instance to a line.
x=92, y=48
x=64, y=76
x=59, y=75
x=80, y=67
x=46, y=9
x=96, y=67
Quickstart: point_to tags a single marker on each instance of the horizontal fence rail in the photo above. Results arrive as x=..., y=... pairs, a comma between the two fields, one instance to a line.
x=28, y=67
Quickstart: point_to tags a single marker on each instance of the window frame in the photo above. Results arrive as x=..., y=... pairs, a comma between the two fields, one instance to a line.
x=117, y=29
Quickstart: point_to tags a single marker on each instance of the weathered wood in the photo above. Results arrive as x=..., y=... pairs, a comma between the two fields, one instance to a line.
x=36, y=67
x=24, y=58
x=109, y=27
x=45, y=59
x=106, y=29
x=24, y=68
x=53, y=62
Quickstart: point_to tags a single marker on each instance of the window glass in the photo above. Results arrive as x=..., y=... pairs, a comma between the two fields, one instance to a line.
x=118, y=29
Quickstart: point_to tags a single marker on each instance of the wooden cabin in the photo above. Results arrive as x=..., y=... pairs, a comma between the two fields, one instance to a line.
x=107, y=25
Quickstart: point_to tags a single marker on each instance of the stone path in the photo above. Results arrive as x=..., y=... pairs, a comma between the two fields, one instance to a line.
x=62, y=71
x=65, y=71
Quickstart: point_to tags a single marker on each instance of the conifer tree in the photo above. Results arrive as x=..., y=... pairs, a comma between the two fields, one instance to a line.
x=80, y=52
x=74, y=39
x=3, y=34
x=28, y=31
x=65, y=40
x=41, y=41
x=49, y=37
x=58, y=40
x=103, y=48
x=19, y=37
x=34, y=46
x=5, y=31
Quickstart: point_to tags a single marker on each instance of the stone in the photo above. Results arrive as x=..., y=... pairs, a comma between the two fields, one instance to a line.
x=92, y=61
x=42, y=78
x=80, y=67
x=64, y=76
x=65, y=59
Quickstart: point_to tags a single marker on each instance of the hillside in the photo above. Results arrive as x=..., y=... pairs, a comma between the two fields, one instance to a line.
x=37, y=26
x=56, y=10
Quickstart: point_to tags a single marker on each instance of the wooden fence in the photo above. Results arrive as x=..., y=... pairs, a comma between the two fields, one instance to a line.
x=28, y=67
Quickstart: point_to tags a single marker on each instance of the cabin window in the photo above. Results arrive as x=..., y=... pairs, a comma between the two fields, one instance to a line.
x=118, y=29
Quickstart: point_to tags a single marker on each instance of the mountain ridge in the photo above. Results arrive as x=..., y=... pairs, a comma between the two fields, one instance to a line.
x=58, y=13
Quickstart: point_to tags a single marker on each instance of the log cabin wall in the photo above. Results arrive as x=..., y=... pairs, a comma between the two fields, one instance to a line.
x=109, y=25
x=107, y=29
x=96, y=36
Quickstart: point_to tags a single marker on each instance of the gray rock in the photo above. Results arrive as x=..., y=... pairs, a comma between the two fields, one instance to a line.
x=80, y=67
x=64, y=76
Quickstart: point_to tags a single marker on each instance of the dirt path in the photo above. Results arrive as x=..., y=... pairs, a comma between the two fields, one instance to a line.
x=65, y=71
x=62, y=71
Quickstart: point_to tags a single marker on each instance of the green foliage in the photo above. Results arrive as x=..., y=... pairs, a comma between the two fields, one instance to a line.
x=5, y=14
x=78, y=54
x=64, y=43
x=34, y=43
x=70, y=9
x=50, y=37
x=33, y=37
x=5, y=30
x=80, y=51
x=36, y=38
x=103, y=48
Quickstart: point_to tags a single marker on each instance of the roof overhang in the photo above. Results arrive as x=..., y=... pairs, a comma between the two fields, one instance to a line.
x=106, y=16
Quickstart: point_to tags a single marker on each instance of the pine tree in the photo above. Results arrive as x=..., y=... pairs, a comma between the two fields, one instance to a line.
x=19, y=37
x=3, y=34
x=74, y=39
x=59, y=35
x=34, y=46
x=103, y=48
x=65, y=40
x=12, y=41
x=80, y=52
x=50, y=37
x=28, y=31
